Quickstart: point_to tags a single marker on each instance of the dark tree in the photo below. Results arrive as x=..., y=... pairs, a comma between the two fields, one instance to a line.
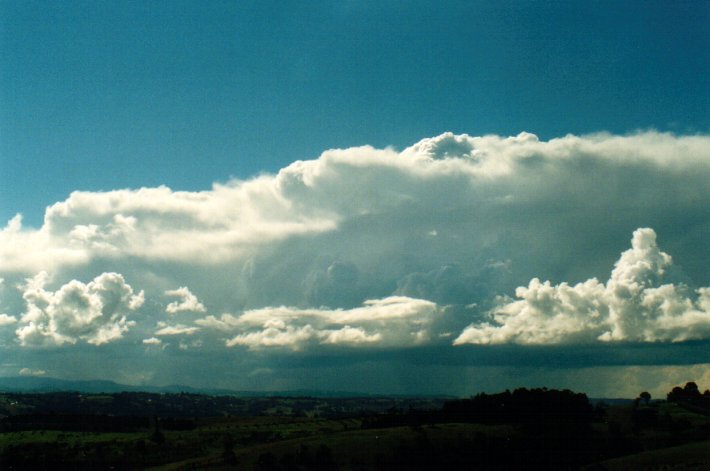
x=157, y=437
x=324, y=459
x=228, y=454
x=689, y=394
x=675, y=395
x=267, y=461
x=691, y=389
x=645, y=397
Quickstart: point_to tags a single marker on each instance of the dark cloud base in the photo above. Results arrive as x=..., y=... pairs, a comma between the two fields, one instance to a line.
x=626, y=354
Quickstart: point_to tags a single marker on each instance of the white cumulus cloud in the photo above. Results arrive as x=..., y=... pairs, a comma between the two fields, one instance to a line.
x=32, y=372
x=393, y=321
x=639, y=303
x=7, y=320
x=95, y=312
x=187, y=302
x=177, y=329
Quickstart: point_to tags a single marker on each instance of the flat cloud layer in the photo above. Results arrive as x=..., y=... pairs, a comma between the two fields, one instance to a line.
x=366, y=249
x=394, y=321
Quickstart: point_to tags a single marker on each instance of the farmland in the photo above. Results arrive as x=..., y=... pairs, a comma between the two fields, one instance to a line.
x=525, y=429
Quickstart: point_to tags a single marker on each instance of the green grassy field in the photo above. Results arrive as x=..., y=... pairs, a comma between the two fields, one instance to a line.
x=350, y=449
x=691, y=456
x=660, y=435
x=251, y=439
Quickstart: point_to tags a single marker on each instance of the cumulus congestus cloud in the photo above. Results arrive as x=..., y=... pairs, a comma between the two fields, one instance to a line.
x=95, y=312
x=639, y=303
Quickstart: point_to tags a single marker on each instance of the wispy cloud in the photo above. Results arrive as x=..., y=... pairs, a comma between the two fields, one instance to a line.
x=177, y=329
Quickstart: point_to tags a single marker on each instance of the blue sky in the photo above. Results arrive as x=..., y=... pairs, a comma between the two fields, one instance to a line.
x=102, y=95
x=438, y=197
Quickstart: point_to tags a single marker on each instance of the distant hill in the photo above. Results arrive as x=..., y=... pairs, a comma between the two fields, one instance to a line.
x=43, y=384
x=46, y=384
x=27, y=384
x=610, y=401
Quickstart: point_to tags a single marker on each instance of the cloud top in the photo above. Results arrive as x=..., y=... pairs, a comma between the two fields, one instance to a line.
x=484, y=176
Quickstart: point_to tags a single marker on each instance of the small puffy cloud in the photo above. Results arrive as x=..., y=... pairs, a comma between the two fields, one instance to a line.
x=637, y=304
x=393, y=321
x=7, y=320
x=193, y=345
x=152, y=341
x=187, y=301
x=95, y=312
x=178, y=329
x=31, y=372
